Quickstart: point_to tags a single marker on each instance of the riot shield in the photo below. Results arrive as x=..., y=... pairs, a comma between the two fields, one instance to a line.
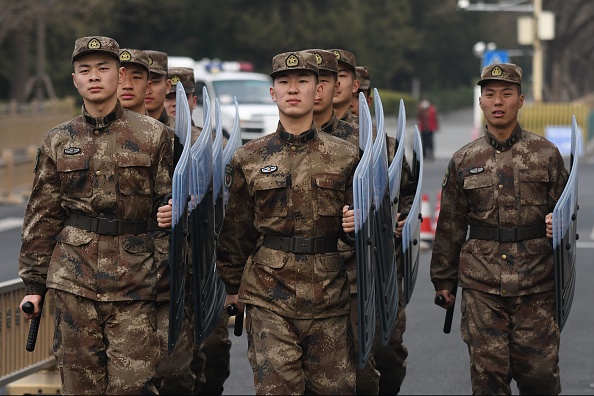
x=179, y=226
x=364, y=228
x=218, y=170
x=207, y=289
x=233, y=144
x=411, y=233
x=395, y=169
x=385, y=253
x=564, y=235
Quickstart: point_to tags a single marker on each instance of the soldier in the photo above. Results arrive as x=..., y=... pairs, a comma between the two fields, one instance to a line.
x=131, y=91
x=98, y=181
x=348, y=85
x=278, y=244
x=186, y=76
x=504, y=186
x=159, y=87
x=362, y=74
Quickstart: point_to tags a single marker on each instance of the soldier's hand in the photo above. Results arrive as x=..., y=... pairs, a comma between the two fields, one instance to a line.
x=232, y=299
x=164, y=215
x=399, y=226
x=348, y=219
x=449, y=298
x=549, y=224
x=35, y=299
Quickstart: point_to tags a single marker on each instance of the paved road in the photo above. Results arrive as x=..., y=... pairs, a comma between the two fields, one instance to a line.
x=437, y=363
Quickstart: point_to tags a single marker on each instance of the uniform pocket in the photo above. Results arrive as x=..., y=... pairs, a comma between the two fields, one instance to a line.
x=270, y=196
x=533, y=187
x=330, y=194
x=134, y=177
x=479, y=190
x=75, y=177
x=271, y=258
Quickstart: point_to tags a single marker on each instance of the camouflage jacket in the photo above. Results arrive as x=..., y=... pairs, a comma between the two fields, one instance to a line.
x=351, y=118
x=287, y=186
x=115, y=167
x=508, y=184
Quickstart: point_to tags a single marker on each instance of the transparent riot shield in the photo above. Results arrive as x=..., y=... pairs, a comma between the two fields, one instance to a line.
x=564, y=235
x=218, y=169
x=385, y=253
x=179, y=228
x=411, y=233
x=233, y=144
x=364, y=229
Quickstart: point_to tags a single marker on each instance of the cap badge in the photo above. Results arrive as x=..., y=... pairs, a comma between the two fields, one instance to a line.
x=175, y=79
x=496, y=72
x=292, y=61
x=150, y=61
x=336, y=54
x=125, y=56
x=319, y=59
x=94, y=44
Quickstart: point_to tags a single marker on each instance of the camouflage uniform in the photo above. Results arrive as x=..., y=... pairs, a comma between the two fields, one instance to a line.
x=98, y=182
x=297, y=297
x=507, y=309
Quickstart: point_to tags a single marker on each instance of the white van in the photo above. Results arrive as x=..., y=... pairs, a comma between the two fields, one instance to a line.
x=258, y=114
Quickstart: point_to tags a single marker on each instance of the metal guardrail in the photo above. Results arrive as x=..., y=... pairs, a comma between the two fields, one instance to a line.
x=15, y=361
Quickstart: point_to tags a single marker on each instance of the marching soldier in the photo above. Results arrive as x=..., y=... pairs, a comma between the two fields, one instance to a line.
x=362, y=74
x=278, y=244
x=159, y=87
x=348, y=85
x=98, y=181
x=185, y=75
x=503, y=185
x=132, y=90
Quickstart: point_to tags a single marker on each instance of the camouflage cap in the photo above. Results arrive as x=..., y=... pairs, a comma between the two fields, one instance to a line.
x=300, y=60
x=346, y=57
x=362, y=73
x=135, y=56
x=185, y=75
x=157, y=61
x=87, y=45
x=326, y=60
x=502, y=72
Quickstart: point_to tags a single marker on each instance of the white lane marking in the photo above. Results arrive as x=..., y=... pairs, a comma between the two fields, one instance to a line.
x=10, y=223
x=585, y=245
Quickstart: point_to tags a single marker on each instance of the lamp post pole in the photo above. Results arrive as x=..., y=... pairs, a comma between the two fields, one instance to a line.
x=537, y=58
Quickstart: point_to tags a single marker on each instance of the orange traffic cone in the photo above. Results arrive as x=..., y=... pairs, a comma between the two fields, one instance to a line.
x=436, y=212
x=426, y=231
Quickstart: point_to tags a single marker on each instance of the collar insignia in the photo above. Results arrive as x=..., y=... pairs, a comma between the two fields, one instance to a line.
x=269, y=169
x=71, y=150
x=474, y=171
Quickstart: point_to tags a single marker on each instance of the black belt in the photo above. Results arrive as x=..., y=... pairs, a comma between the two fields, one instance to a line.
x=301, y=245
x=107, y=226
x=508, y=234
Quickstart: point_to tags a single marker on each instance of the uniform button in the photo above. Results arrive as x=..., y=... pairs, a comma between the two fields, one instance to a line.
x=503, y=256
x=503, y=291
x=500, y=186
x=96, y=132
x=101, y=215
x=293, y=148
x=98, y=173
x=498, y=152
x=98, y=296
x=298, y=271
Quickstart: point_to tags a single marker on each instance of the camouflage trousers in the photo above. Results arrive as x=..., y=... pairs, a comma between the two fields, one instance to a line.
x=174, y=375
x=511, y=338
x=105, y=347
x=296, y=356
x=385, y=369
x=216, y=350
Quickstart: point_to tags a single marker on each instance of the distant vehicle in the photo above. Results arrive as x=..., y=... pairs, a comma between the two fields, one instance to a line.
x=258, y=114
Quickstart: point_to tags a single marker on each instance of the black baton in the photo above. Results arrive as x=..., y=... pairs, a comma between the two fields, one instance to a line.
x=28, y=307
x=233, y=310
x=447, y=324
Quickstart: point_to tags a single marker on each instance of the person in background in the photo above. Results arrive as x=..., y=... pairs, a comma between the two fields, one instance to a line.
x=348, y=85
x=362, y=73
x=503, y=186
x=132, y=90
x=428, y=126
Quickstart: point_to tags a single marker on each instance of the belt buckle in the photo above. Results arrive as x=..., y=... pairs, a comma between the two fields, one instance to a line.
x=107, y=227
x=303, y=245
x=508, y=234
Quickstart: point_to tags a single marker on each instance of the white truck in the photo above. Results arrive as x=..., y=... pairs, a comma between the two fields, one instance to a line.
x=258, y=114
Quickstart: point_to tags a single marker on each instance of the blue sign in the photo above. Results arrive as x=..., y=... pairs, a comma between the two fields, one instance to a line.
x=495, y=56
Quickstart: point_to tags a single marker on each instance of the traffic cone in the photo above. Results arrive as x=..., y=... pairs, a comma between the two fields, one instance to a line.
x=426, y=231
x=436, y=212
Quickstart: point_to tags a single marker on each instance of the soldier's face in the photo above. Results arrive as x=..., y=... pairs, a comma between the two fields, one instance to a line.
x=329, y=83
x=348, y=86
x=170, y=103
x=132, y=89
x=96, y=77
x=294, y=92
x=501, y=101
x=156, y=92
